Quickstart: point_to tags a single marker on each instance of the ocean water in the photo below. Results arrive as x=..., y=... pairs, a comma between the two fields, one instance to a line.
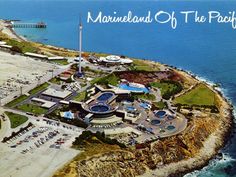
x=208, y=50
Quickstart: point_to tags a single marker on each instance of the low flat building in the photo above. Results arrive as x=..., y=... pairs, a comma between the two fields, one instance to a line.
x=44, y=103
x=61, y=94
x=36, y=55
x=64, y=102
x=6, y=46
x=56, y=58
x=2, y=43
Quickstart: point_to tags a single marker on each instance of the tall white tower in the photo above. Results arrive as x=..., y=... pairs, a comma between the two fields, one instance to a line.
x=80, y=44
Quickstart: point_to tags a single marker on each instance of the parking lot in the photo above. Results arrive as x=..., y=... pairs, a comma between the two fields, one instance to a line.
x=40, y=150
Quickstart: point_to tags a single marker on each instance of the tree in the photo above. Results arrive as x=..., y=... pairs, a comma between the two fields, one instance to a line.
x=16, y=49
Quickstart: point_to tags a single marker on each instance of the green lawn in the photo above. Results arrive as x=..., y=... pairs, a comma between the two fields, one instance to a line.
x=160, y=105
x=168, y=88
x=83, y=84
x=164, y=87
x=148, y=96
x=80, y=97
x=111, y=79
x=60, y=62
x=16, y=119
x=16, y=101
x=39, y=88
x=32, y=108
x=142, y=65
x=95, y=80
x=55, y=80
x=87, y=68
x=200, y=95
x=101, y=54
x=23, y=45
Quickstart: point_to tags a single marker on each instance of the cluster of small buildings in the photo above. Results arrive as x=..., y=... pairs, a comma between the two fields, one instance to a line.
x=51, y=97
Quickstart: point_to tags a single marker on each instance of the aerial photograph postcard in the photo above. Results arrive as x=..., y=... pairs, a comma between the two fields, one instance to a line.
x=117, y=88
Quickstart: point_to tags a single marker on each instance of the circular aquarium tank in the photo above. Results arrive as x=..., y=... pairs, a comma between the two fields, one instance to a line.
x=170, y=127
x=105, y=96
x=160, y=114
x=100, y=108
x=170, y=117
x=155, y=122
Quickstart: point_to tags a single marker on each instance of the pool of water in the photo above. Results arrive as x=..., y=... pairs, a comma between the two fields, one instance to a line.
x=68, y=115
x=160, y=114
x=105, y=96
x=130, y=108
x=170, y=117
x=133, y=89
x=155, y=122
x=145, y=105
x=170, y=127
x=100, y=108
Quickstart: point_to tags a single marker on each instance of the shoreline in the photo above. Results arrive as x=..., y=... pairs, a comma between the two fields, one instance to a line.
x=4, y=27
x=226, y=135
x=223, y=135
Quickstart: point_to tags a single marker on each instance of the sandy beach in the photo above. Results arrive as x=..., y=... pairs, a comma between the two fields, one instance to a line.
x=8, y=31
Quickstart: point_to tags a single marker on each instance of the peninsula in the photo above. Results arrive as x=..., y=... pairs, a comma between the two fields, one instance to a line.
x=96, y=114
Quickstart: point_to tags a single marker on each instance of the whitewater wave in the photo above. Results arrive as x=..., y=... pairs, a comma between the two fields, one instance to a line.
x=217, y=87
x=214, y=167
